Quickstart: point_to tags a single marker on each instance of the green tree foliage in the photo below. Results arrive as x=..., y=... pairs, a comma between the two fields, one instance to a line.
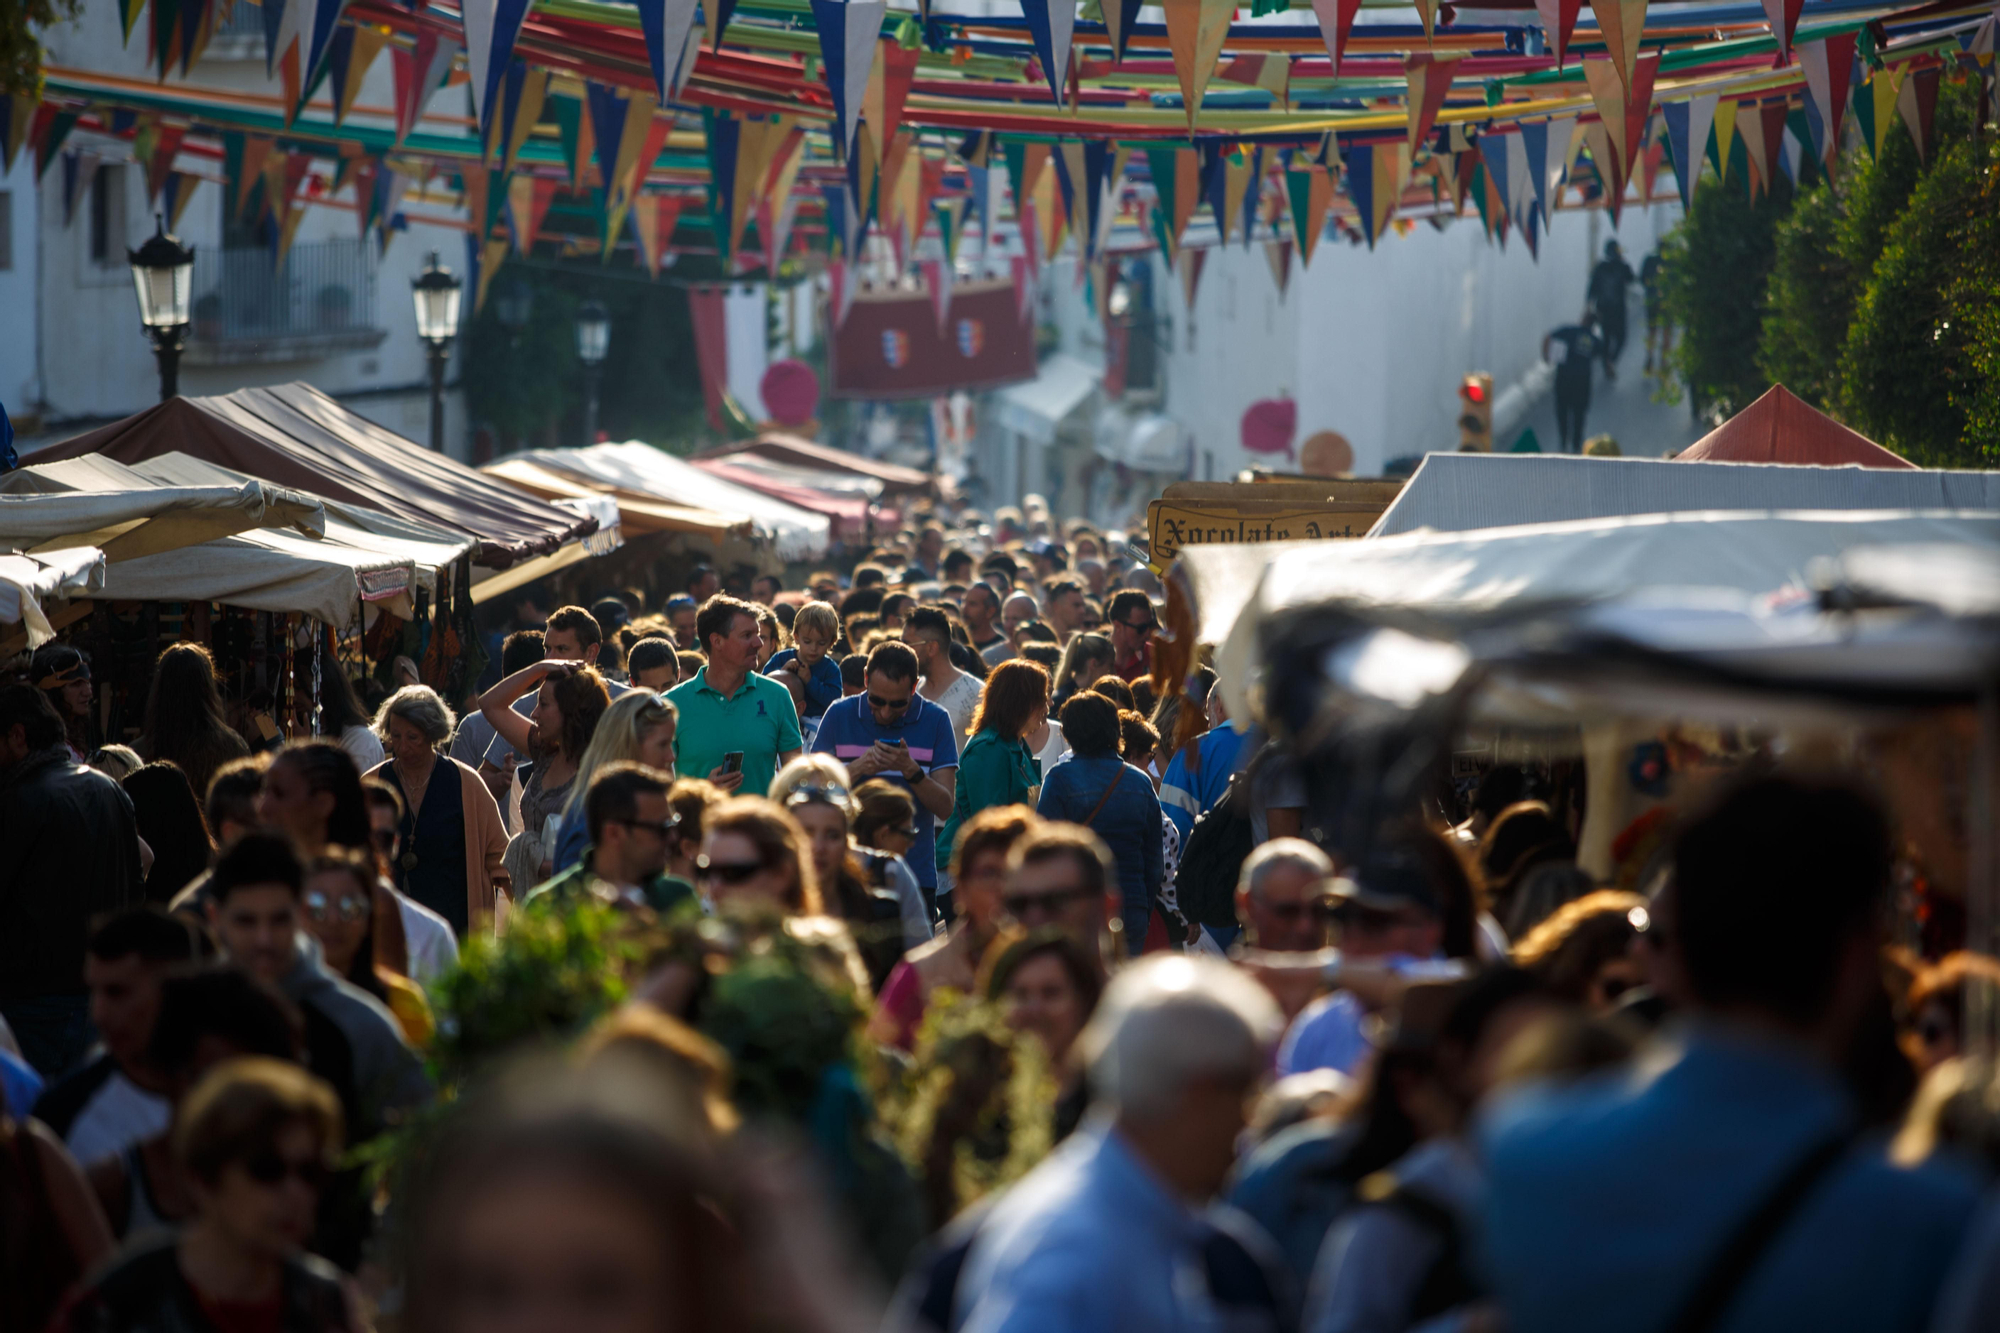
x=1809, y=301
x=529, y=388
x=21, y=22
x=1914, y=365
x=1716, y=266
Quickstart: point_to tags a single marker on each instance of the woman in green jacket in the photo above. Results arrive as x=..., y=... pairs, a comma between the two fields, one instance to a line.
x=998, y=767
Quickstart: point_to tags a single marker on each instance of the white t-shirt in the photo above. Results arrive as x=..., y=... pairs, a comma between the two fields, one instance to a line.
x=432, y=947
x=1057, y=747
x=960, y=701
x=363, y=745
x=118, y=1115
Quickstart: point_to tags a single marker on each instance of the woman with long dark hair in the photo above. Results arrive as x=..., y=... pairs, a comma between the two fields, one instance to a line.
x=570, y=699
x=171, y=822
x=184, y=718
x=63, y=674
x=1087, y=657
x=312, y=793
x=341, y=901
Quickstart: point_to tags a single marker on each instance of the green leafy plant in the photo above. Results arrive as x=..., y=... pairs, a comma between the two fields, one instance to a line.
x=1715, y=268
x=21, y=25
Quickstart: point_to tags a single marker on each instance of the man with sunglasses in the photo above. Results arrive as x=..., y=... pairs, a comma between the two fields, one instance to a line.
x=1132, y=626
x=1388, y=911
x=1061, y=875
x=632, y=837
x=892, y=732
x=1284, y=898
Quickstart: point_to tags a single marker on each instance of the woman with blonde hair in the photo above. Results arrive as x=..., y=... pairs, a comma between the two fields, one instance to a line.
x=752, y=852
x=638, y=728
x=1088, y=656
x=877, y=896
x=452, y=838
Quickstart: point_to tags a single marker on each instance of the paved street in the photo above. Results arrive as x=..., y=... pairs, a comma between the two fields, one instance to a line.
x=1624, y=408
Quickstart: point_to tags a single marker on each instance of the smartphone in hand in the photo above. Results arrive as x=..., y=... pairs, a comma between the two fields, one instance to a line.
x=732, y=762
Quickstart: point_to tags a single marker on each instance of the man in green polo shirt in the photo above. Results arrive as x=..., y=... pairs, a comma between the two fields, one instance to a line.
x=727, y=707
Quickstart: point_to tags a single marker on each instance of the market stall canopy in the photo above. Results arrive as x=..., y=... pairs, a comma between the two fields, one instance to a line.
x=1714, y=587
x=852, y=516
x=26, y=581
x=790, y=450
x=1781, y=427
x=609, y=536
x=1462, y=492
x=71, y=504
x=296, y=436
x=847, y=484
x=638, y=515
x=798, y=534
x=1038, y=408
x=325, y=574
x=430, y=548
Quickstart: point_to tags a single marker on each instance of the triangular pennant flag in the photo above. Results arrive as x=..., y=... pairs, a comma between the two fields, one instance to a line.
x=574, y=134
x=256, y=155
x=160, y=164
x=937, y=281
x=1430, y=79
x=1520, y=188
x=950, y=215
x=654, y=217
x=1916, y=103
x=1649, y=166
x=1238, y=169
x=1876, y=110
x=1638, y=105
x=1465, y=166
x=129, y=11
x=1687, y=133
x=1195, y=33
x=1772, y=117
x=1547, y=146
x=367, y=202
x=1177, y=182
x=1052, y=23
x=1362, y=186
x=1192, y=260
x=1750, y=129
x=528, y=200
x=79, y=168
x=725, y=139
x=419, y=72
x=1725, y=135
x=864, y=167
x=889, y=87
x=355, y=47
x=1278, y=254
x=1622, y=23
x=666, y=25
x=51, y=128
x=174, y=192
x=1311, y=195
x=1829, y=69
x=1119, y=17
x=755, y=147
x=17, y=118
x=1784, y=16
x=1494, y=156
x=318, y=35
x=1604, y=159
x=717, y=14
x=283, y=21
x=1336, y=20
x=522, y=94
x=1558, y=22
x=1024, y=286
x=848, y=33
x=777, y=207
x=491, y=29
x=840, y=290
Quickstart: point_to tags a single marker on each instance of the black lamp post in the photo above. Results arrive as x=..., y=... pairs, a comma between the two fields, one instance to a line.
x=514, y=303
x=435, y=292
x=593, y=340
x=163, y=274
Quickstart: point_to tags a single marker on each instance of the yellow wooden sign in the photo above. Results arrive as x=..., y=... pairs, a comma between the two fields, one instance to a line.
x=1190, y=513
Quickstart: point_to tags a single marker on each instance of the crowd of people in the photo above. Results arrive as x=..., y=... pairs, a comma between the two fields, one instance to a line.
x=952, y=961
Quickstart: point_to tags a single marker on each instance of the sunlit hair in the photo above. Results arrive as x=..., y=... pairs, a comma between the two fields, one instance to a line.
x=1014, y=693
x=620, y=731
x=779, y=841
x=995, y=829
x=420, y=706
x=1169, y=1020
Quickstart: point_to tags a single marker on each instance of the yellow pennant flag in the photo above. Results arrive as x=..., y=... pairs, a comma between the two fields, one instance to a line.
x=1195, y=32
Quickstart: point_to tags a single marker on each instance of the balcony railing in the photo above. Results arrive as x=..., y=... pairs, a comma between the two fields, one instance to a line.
x=322, y=299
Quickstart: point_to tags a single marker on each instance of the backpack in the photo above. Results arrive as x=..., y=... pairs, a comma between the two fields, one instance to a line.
x=1216, y=848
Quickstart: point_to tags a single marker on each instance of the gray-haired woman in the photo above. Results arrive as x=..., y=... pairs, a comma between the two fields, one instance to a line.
x=453, y=839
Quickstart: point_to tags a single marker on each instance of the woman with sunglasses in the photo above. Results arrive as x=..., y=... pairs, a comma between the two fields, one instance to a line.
x=812, y=789
x=755, y=855
x=256, y=1141
x=341, y=892
x=638, y=728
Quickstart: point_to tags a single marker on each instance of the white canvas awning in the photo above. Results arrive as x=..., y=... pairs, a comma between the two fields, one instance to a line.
x=1038, y=408
x=94, y=501
x=1463, y=492
x=26, y=581
x=638, y=467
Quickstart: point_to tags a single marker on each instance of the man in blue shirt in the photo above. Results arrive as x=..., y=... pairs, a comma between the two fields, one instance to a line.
x=1612, y=1201
x=1111, y=1231
x=890, y=731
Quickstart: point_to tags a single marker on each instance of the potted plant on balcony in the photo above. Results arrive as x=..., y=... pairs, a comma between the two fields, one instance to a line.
x=334, y=304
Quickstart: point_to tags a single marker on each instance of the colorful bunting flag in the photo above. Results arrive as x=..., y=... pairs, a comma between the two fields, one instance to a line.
x=1558, y=22
x=51, y=127
x=1430, y=79
x=1051, y=23
x=1829, y=68
x=491, y=29
x=1622, y=23
x=353, y=50
x=522, y=93
x=1119, y=16
x=667, y=24
x=848, y=32
x=528, y=200
x=1192, y=260
x=1176, y=176
x=174, y=192
x=1311, y=194
x=629, y=136
x=654, y=217
x=1916, y=103
x=1784, y=16
x=1725, y=135
x=419, y=72
x=1278, y=253
x=889, y=87
x=937, y=282
x=17, y=118
x=1336, y=20
x=1547, y=144
x=1195, y=32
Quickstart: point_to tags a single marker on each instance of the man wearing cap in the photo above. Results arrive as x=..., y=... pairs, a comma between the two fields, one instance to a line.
x=1387, y=910
x=632, y=833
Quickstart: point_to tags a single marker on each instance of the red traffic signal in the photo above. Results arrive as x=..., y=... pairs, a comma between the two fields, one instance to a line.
x=1473, y=390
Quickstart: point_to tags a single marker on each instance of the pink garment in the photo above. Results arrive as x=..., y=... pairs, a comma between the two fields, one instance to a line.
x=902, y=999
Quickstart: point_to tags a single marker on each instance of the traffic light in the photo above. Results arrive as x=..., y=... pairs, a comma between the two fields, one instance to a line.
x=1475, y=414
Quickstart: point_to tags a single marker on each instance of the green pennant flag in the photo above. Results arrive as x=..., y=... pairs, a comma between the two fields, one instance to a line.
x=1016, y=153
x=568, y=115
x=60, y=124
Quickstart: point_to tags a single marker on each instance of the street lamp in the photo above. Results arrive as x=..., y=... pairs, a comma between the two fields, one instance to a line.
x=435, y=292
x=593, y=340
x=163, y=274
x=514, y=304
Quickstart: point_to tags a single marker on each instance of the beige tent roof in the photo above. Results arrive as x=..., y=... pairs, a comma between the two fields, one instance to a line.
x=96, y=502
x=639, y=513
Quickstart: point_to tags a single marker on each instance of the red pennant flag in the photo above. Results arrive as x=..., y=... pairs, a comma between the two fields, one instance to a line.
x=1558, y=22
x=1430, y=80
x=711, y=346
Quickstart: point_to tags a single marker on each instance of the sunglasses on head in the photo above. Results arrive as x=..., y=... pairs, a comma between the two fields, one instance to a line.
x=272, y=1167
x=813, y=793
x=726, y=872
x=888, y=705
